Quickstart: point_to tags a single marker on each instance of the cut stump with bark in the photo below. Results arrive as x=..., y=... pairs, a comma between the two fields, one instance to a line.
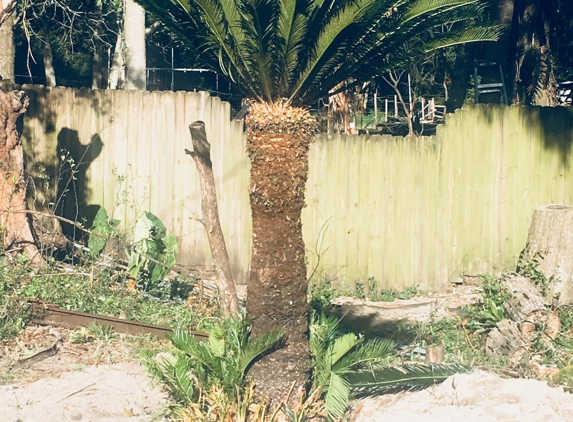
x=14, y=221
x=529, y=317
x=550, y=245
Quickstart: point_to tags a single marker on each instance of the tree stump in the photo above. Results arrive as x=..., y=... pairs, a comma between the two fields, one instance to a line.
x=507, y=340
x=14, y=221
x=528, y=317
x=550, y=244
x=525, y=298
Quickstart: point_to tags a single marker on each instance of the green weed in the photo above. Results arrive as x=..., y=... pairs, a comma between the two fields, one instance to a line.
x=95, y=289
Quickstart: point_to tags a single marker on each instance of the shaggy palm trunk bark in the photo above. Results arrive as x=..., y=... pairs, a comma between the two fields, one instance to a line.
x=279, y=137
x=18, y=234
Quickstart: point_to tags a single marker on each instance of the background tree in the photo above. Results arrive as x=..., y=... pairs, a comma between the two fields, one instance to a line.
x=7, y=49
x=65, y=41
x=6, y=9
x=135, y=58
x=18, y=234
x=286, y=55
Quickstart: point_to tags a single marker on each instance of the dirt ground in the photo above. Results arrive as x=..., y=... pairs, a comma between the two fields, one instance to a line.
x=92, y=382
x=100, y=381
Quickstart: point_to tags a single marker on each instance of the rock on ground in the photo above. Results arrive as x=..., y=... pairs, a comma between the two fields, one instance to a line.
x=103, y=393
x=476, y=397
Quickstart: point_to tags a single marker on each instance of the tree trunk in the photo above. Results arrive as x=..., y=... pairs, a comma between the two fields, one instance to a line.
x=98, y=63
x=135, y=58
x=49, y=70
x=7, y=50
x=116, y=79
x=6, y=9
x=460, y=74
x=528, y=316
x=202, y=156
x=18, y=232
x=550, y=244
x=279, y=137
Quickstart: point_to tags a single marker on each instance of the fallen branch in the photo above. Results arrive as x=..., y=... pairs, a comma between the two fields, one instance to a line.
x=56, y=217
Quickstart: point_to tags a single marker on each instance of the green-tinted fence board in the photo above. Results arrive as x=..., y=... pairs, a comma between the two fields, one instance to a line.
x=406, y=211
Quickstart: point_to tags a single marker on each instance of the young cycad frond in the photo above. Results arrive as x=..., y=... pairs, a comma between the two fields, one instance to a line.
x=346, y=366
x=401, y=378
x=222, y=361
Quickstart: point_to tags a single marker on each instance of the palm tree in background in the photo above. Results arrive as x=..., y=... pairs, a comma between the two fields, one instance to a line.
x=284, y=55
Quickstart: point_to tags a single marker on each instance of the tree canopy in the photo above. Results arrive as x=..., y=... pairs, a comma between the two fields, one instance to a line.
x=301, y=49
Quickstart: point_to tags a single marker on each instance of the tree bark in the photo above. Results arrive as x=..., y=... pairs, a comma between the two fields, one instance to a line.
x=48, y=57
x=550, y=244
x=18, y=232
x=7, y=50
x=460, y=74
x=528, y=316
x=202, y=156
x=98, y=63
x=135, y=58
x=116, y=79
x=6, y=9
x=278, y=140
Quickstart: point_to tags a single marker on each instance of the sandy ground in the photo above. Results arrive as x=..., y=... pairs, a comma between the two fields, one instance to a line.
x=103, y=393
x=122, y=393
x=477, y=397
x=99, y=381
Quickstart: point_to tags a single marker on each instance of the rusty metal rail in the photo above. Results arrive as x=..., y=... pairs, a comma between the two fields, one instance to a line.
x=50, y=314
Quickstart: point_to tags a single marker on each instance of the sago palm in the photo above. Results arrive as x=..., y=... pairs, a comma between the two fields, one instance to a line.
x=284, y=55
x=347, y=366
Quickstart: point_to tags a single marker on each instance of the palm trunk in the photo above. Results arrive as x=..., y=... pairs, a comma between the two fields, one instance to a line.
x=277, y=285
x=18, y=233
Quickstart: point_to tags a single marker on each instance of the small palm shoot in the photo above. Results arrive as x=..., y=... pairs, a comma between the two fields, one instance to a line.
x=196, y=369
x=347, y=366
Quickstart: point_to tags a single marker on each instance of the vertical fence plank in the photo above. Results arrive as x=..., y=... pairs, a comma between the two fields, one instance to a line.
x=404, y=211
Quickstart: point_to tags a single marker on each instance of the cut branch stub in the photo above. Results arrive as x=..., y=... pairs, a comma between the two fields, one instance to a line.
x=550, y=245
x=202, y=158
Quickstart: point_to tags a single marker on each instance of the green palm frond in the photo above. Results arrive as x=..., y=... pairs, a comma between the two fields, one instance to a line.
x=174, y=375
x=449, y=39
x=398, y=378
x=221, y=361
x=257, y=346
x=192, y=347
x=337, y=396
x=341, y=346
x=302, y=49
x=366, y=355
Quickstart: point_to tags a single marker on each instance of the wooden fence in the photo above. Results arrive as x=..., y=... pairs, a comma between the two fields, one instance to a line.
x=406, y=211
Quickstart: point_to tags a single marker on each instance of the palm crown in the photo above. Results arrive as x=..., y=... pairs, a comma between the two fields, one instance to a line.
x=301, y=49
